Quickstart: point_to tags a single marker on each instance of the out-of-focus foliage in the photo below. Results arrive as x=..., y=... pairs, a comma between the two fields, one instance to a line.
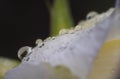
x=60, y=16
x=5, y=65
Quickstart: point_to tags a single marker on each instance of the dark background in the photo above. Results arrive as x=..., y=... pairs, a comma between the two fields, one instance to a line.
x=23, y=21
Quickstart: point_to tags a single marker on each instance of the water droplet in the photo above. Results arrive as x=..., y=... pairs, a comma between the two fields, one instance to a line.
x=63, y=31
x=49, y=38
x=91, y=15
x=39, y=42
x=24, y=51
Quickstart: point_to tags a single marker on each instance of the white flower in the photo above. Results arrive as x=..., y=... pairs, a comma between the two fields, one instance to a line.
x=70, y=55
